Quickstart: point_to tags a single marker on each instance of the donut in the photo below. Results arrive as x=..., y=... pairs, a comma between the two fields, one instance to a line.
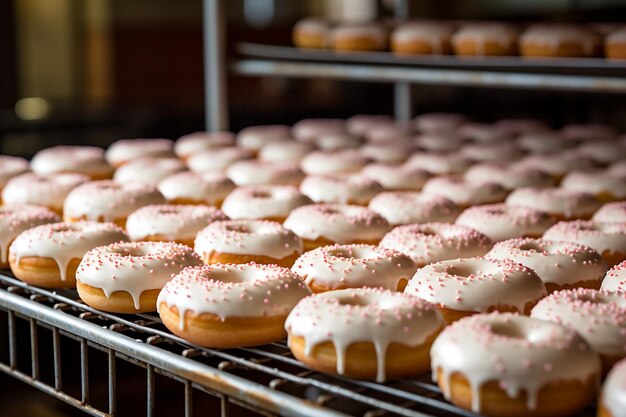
x=171, y=223
x=560, y=265
x=333, y=162
x=108, y=201
x=16, y=219
x=350, y=189
x=268, y=202
x=615, y=44
x=505, y=365
x=508, y=176
x=48, y=255
x=544, y=40
x=11, y=166
x=519, y=127
x=465, y=193
x=433, y=242
x=126, y=277
x=485, y=133
x=612, y=401
x=359, y=124
x=489, y=38
x=285, y=151
x=256, y=172
x=618, y=168
x=390, y=133
x=388, y=152
x=254, y=138
x=605, y=186
x=438, y=122
x=611, y=212
x=501, y=222
x=560, y=203
x=556, y=164
x=608, y=239
x=218, y=159
x=228, y=306
x=337, y=141
x=397, y=177
x=599, y=317
x=443, y=141
x=308, y=130
x=405, y=207
x=579, y=132
x=423, y=38
x=243, y=241
x=327, y=224
x=47, y=191
x=148, y=170
x=544, y=142
x=603, y=151
x=364, y=333
x=492, y=152
x=86, y=160
x=310, y=32
x=188, y=187
x=440, y=163
x=615, y=279
x=338, y=267
x=193, y=143
x=358, y=37
x=126, y=150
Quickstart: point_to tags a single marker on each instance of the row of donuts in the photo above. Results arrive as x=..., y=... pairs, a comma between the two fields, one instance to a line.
x=428, y=37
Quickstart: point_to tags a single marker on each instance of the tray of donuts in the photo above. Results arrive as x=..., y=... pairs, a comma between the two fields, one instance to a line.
x=465, y=38
x=489, y=253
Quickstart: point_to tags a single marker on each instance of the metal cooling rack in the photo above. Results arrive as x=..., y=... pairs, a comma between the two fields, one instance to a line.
x=265, y=380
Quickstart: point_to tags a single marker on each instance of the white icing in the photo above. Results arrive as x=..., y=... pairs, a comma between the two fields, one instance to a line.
x=556, y=201
x=285, y=151
x=405, y=207
x=355, y=189
x=618, y=168
x=312, y=26
x=434, y=34
x=391, y=152
x=255, y=137
x=557, y=164
x=263, y=201
x=148, y=170
x=125, y=150
x=615, y=279
x=508, y=176
x=87, y=160
x=256, y=172
x=554, y=36
x=389, y=134
x=49, y=191
x=17, y=219
x=485, y=133
x=359, y=124
x=438, y=122
x=614, y=390
x=603, y=151
x=589, y=131
x=439, y=163
x=596, y=182
x=217, y=159
x=602, y=237
x=209, y=187
x=11, y=166
x=308, y=130
x=397, y=177
x=329, y=162
x=611, y=212
x=371, y=32
x=481, y=33
x=439, y=141
x=337, y=141
x=464, y=193
x=484, y=152
x=544, y=142
x=196, y=142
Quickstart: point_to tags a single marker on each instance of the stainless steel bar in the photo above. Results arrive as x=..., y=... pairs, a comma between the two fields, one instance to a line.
x=216, y=110
x=112, y=382
x=582, y=83
x=188, y=399
x=402, y=101
x=56, y=350
x=84, y=371
x=34, y=349
x=150, y=391
x=12, y=340
x=224, y=406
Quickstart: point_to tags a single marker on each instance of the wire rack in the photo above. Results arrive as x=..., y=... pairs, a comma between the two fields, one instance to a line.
x=265, y=380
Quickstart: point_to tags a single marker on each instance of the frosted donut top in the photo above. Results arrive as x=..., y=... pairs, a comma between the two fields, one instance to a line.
x=16, y=219
x=390, y=152
x=485, y=133
x=148, y=170
x=483, y=152
x=603, y=151
x=613, y=396
x=508, y=176
x=465, y=193
x=285, y=151
x=87, y=160
x=193, y=143
x=618, y=168
x=567, y=203
x=49, y=191
x=499, y=33
x=397, y=177
x=370, y=31
x=358, y=124
x=263, y=201
x=589, y=131
x=210, y=187
x=602, y=237
x=544, y=142
x=615, y=279
x=404, y=207
x=307, y=130
x=596, y=182
x=328, y=162
x=256, y=172
x=611, y=212
x=437, y=122
x=125, y=150
x=439, y=163
x=354, y=189
x=435, y=34
x=337, y=141
x=557, y=163
x=217, y=159
x=10, y=166
x=557, y=35
x=255, y=137
x=314, y=25
x=443, y=141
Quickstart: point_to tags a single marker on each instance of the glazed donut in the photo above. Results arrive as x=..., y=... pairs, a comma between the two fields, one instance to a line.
x=308, y=130
x=505, y=365
x=16, y=219
x=466, y=286
x=544, y=142
x=501, y=222
x=350, y=189
x=438, y=122
x=359, y=124
x=148, y=170
x=489, y=38
x=560, y=203
x=11, y=166
x=48, y=255
x=405, y=207
x=612, y=401
x=193, y=143
x=285, y=151
x=86, y=160
x=337, y=141
x=171, y=223
x=188, y=187
x=364, y=333
x=326, y=224
x=608, y=239
x=127, y=277
x=559, y=41
x=243, y=241
x=611, y=212
x=333, y=162
x=556, y=164
x=443, y=141
x=603, y=151
x=433, y=242
x=256, y=172
x=508, y=176
x=126, y=150
x=338, y=267
x=579, y=132
x=388, y=152
x=599, y=317
x=228, y=306
x=615, y=279
x=519, y=127
x=397, y=177
x=615, y=45
x=254, y=138
x=422, y=37
x=560, y=265
x=218, y=159
x=46, y=191
x=310, y=32
x=605, y=186
x=465, y=193
x=492, y=152
x=268, y=202
x=108, y=201
x=485, y=133
x=358, y=37
x=440, y=163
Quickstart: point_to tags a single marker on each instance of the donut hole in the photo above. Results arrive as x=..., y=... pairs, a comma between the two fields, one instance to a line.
x=428, y=232
x=495, y=211
x=167, y=211
x=230, y=277
x=353, y=300
x=260, y=194
x=531, y=246
x=463, y=271
x=341, y=253
x=130, y=251
x=508, y=330
x=588, y=298
x=238, y=228
x=329, y=210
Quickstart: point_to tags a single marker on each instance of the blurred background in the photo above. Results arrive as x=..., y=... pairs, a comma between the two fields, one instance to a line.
x=93, y=71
